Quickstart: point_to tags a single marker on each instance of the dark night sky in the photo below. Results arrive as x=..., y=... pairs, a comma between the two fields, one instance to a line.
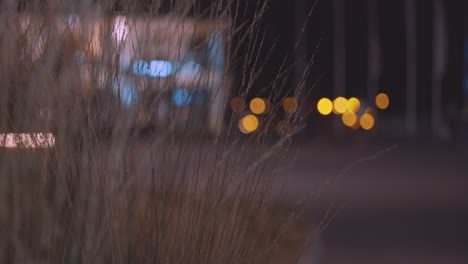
x=279, y=22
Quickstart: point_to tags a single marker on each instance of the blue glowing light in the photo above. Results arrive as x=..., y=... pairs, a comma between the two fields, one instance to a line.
x=128, y=92
x=155, y=68
x=190, y=69
x=216, y=55
x=141, y=68
x=128, y=95
x=160, y=68
x=182, y=97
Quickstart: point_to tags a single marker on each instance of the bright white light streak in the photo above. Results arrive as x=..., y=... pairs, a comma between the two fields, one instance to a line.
x=27, y=140
x=121, y=29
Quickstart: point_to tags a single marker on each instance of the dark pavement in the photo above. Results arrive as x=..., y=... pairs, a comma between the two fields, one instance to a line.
x=384, y=201
x=395, y=201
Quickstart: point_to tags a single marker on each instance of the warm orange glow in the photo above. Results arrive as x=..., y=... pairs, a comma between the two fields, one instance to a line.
x=353, y=105
x=242, y=129
x=290, y=105
x=382, y=101
x=367, y=121
x=325, y=106
x=356, y=124
x=27, y=140
x=248, y=124
x=349, y=119
x=340, y=105
x=257, y=106
x=237, y=104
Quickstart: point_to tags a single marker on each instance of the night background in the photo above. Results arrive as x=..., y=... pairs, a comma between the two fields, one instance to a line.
x=409, y=205
x=283, y=21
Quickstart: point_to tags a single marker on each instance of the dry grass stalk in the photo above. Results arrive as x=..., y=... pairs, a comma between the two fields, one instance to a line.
x=102, y=194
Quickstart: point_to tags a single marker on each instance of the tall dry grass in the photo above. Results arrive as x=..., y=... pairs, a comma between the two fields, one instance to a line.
x=104, y=193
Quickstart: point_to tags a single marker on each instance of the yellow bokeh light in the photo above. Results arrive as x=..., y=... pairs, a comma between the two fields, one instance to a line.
x=248, y=124
x=237, y=104
x=367, y=121
x=353, y=105
x=325, y=106
x=290, y=105
x=340, y=105
x=257, y=106
x=382, y=101
x=335, y=112
x=242, y=129
x=349, y=119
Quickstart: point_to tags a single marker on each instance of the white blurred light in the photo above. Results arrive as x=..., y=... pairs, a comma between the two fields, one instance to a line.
x=27, y=140
x=155, y=68
x=120, y=30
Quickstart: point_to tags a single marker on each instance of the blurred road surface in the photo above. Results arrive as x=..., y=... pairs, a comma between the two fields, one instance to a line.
x=396, y=201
